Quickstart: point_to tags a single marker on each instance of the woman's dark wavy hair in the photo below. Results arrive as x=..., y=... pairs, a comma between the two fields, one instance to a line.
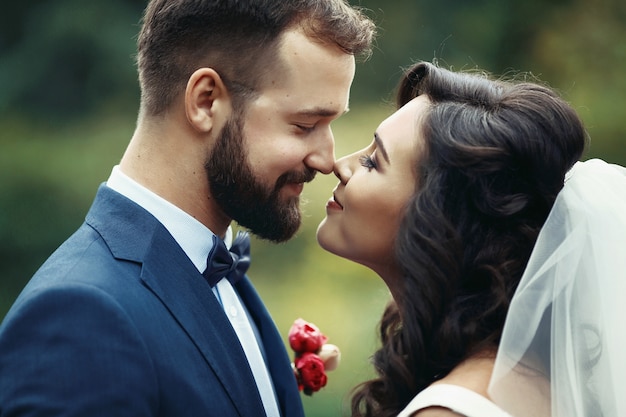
x=495, y=157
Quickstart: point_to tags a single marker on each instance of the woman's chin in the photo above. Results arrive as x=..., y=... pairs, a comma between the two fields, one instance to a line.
x=326, y=240
x=321, y=237
x=321, y=232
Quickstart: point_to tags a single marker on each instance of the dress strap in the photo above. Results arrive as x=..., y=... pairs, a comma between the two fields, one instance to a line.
x=458, y=399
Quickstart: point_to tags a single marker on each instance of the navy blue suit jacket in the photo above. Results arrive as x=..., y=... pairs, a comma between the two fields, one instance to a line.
x=118, y=322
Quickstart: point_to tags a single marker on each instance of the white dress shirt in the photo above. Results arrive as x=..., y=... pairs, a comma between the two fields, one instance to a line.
x=196, y=240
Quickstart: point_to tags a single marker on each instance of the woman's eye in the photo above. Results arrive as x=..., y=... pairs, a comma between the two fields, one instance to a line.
x=368, y=162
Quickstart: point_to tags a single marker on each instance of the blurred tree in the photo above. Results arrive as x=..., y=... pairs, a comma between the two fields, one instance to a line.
x=64, y=59
x=37, y=215
x=61, y=59
x=575, y=46
x=582, y=52
x=496, y=35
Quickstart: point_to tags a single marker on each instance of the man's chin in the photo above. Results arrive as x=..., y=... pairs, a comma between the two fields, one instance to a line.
x=275, y=236
x=281, y=229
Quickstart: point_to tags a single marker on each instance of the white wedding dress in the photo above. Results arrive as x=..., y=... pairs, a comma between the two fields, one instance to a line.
x=458, y=399
x=563, y=349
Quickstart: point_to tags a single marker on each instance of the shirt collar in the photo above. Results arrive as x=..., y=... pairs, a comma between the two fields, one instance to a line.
x=193, y=237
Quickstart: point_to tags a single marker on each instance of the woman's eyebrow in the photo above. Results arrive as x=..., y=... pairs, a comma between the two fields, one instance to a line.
x=379, y=144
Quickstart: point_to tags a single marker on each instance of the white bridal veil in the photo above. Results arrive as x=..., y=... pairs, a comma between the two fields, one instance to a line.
x=563, y=350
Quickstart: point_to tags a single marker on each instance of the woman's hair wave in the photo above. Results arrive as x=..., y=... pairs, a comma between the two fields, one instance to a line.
x=495, y=157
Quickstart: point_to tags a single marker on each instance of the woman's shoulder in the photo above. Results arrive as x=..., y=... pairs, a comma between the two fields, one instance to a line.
x=447, y=400
x=473, y=374
x=463, y=392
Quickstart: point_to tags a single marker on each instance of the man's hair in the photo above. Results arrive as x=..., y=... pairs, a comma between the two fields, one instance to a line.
x=239, y=39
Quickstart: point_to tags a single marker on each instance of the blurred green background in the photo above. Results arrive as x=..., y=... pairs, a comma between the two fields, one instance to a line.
x=68, y=102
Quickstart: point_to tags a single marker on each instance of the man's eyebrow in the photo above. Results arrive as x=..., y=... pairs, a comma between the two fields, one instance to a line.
x=320, y=112
x=379, y=144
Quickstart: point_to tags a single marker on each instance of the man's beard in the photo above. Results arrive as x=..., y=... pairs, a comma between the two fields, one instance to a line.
x=250, y=203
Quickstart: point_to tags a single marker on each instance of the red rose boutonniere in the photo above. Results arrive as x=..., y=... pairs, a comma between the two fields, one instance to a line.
x=313, y=356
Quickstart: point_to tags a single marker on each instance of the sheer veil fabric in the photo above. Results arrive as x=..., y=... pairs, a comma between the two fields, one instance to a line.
x=563, y=350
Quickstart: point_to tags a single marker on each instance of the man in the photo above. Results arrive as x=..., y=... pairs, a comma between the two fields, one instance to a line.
x=130, y=317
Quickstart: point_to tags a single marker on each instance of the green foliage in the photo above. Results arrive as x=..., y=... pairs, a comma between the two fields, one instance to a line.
x=572, y=45
x=47, y=182
x=61, y=59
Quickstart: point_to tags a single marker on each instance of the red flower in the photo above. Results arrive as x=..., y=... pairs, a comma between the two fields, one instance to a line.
x=305, y=337
x=310, y=369
x=313, y=356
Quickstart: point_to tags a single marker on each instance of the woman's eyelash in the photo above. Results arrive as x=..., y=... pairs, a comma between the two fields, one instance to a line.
x=368, y=162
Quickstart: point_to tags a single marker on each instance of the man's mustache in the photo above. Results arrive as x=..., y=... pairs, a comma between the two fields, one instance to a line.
x=295, y=177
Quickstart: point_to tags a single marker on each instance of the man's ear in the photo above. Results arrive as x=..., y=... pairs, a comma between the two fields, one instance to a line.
x=206, y=99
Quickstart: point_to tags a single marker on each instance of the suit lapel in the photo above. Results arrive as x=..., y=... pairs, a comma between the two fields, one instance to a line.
x=134, y=234
x=278, y=360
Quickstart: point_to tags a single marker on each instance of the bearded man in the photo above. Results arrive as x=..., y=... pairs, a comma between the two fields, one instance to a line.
x=132, y=316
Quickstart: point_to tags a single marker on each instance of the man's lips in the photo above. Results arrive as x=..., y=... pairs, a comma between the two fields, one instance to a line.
x=295, y=181
x=295, y=187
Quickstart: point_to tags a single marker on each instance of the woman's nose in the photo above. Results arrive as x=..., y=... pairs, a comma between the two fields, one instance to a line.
x=344, y=167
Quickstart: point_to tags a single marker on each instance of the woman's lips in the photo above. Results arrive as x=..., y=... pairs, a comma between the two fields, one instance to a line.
x=333, y=204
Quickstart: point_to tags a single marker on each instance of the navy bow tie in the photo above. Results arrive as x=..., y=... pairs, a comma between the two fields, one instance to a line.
x=231, y=264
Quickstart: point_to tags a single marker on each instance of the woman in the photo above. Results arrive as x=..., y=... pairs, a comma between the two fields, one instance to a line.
x=446, y=205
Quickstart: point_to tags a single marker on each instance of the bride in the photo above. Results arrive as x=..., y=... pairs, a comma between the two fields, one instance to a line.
x=504, y=256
